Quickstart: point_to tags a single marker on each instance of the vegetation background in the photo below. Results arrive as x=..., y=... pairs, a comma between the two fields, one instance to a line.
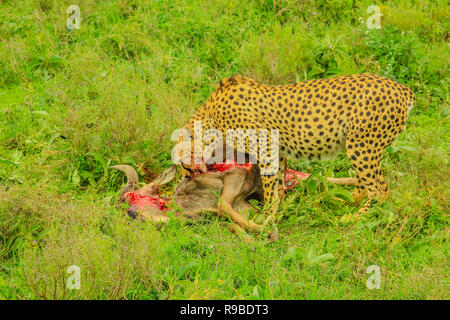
x=75, y=102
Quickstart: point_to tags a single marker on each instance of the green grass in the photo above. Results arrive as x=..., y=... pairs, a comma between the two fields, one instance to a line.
x=73, y=103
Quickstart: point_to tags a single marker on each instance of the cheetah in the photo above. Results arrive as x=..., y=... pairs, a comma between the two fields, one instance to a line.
x=316, y=119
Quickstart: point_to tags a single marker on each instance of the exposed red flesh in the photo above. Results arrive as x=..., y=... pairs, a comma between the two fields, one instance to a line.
x=229, y=164
x=141, y=202
x=292, y=177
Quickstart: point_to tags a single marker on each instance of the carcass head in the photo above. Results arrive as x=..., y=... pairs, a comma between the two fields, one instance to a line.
x=144, y=202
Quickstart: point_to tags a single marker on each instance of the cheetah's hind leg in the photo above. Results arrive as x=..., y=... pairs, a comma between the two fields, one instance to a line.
x=373, y=179
x=365, y=162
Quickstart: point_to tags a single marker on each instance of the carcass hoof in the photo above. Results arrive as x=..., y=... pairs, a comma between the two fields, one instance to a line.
x=274, y=235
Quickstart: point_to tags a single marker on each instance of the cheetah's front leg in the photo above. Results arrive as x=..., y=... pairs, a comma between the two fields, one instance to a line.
x=271, y=194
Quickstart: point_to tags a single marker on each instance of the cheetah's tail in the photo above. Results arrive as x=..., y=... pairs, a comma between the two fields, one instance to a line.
x=343, y=181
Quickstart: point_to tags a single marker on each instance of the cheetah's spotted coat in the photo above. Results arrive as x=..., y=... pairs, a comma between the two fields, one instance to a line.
x=316, y=119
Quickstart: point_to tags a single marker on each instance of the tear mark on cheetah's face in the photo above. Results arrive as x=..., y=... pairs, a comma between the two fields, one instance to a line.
x=316, y=119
